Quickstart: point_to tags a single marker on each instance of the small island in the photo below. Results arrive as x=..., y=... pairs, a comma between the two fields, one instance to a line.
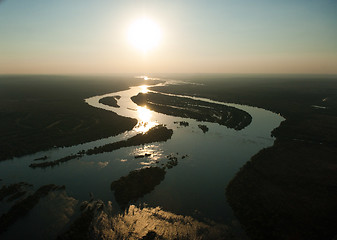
x=41, y=158
x=156, y=134
x=56, y=162
x=136, y=184
x=204, y=128
x=110, y=101
x=39, y=118
x=182, y=123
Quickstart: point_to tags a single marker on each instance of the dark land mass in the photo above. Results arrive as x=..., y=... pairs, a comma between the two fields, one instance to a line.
x=287, y=191
x=141, y=181
x=204, y=128
x=41, y=158
x=172, y=161
x=136, y=184
x=156, y=134
x=100, y=221
x=110, y=101
x=56, y=162
x=182, y=123
x=188, y=108
x=80, y=228
x=22, y=208
x=13, y=191
x=143, y=155
x=41, y=112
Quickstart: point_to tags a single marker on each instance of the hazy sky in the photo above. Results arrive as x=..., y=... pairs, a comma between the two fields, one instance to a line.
x=229, y=36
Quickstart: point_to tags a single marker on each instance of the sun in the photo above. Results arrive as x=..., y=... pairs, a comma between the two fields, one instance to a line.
x=144, y=34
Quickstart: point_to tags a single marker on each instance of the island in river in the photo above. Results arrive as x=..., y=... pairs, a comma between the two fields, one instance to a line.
x=189, y=108
x=41, y=112
x=110, y=101
x=156, y=134
x=285, y=191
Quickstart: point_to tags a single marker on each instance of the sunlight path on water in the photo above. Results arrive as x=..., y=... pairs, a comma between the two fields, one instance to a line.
x=213, y=158
x=263, y=121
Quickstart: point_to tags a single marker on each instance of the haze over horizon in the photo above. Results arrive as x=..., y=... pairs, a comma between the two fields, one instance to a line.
x=86, y=37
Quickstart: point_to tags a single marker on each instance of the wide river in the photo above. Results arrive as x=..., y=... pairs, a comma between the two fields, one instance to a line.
x=195, y=187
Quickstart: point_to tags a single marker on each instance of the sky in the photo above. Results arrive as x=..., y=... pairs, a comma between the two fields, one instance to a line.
x=197, y=36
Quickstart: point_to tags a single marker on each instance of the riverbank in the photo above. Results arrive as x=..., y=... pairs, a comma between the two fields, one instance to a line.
x=286, y=191
x=265, y=189
x=110, y=101
x=189, y=108
x=41, y=112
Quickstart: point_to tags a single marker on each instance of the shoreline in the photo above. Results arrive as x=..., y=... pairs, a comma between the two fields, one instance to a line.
x=273, y=197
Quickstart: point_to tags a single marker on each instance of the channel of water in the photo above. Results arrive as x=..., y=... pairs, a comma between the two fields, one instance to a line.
x=195, y=187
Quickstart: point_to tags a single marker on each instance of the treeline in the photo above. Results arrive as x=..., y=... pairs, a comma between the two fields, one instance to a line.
x=199, y=110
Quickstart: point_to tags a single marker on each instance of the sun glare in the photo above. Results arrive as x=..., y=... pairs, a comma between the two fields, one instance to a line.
x=144, y=34
x=143, y=89
x=144, y=114
x=145, y=123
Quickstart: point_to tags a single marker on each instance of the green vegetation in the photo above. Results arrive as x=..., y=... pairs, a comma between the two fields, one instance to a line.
x=156, y=134
x=188, y=108
x=21, y=208
x=136, y=184
x=110, y=101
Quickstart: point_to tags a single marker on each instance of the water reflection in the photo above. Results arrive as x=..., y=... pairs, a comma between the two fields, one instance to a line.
x=154, y=223
x=152, y=154
x=143, y=89
x=51, y=215
x=143, y=77
x=144, y=114
x=145, y=123
x=103, y=164
x=225, y=151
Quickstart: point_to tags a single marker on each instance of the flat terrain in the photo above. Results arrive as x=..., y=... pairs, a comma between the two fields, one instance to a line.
x=110, y=101
x=40, y=112
x=140, y=223
x=287, y=191
x=156, y=134
x=189, y=108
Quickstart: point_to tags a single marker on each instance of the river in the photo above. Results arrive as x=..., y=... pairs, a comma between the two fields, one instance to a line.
x=195, y=187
